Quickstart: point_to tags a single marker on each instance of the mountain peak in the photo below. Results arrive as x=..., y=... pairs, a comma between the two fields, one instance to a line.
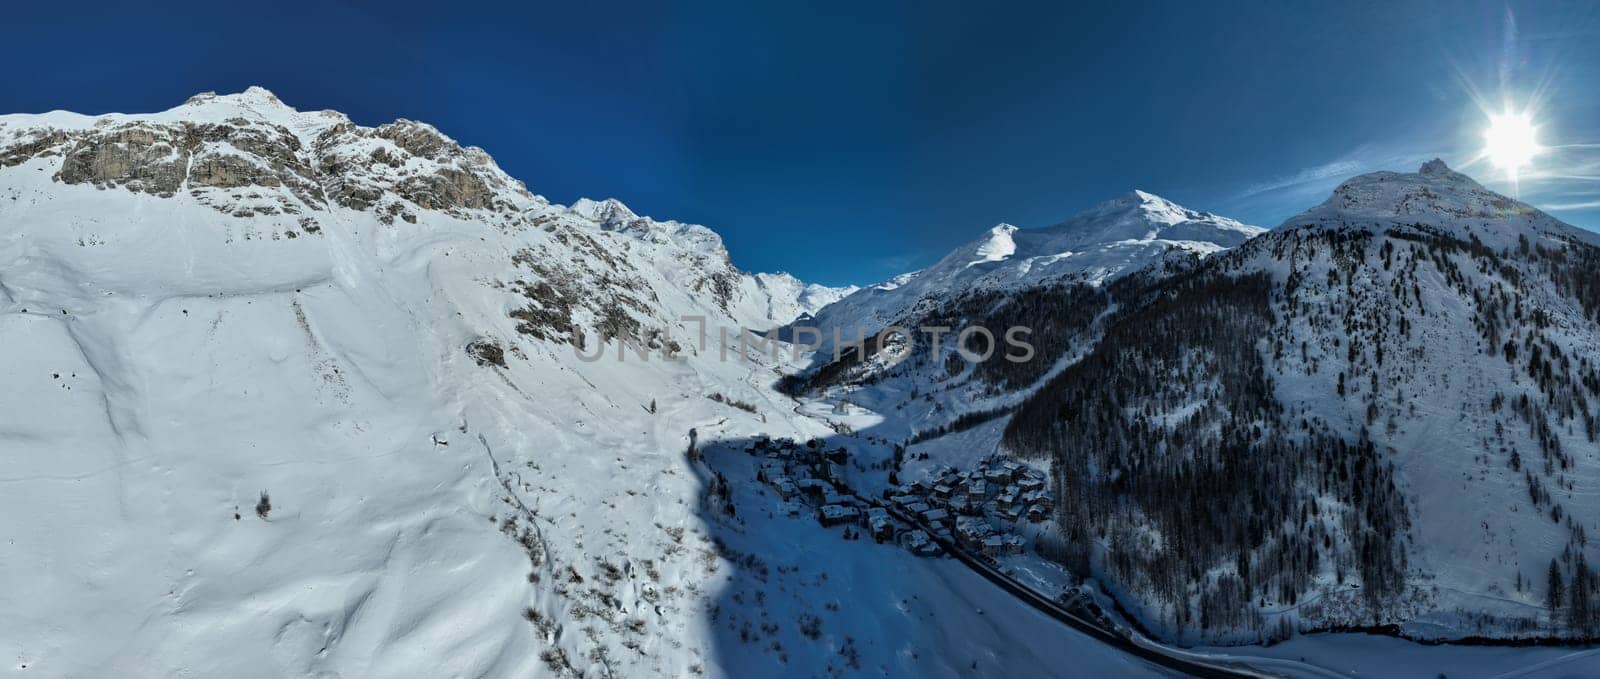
x=1143, y=216
x=1131, y=199
x=995, y=246
x=252, y=95
x=1434, y=167
x=1437, y=196
x=610, y=211
x=1142, y=197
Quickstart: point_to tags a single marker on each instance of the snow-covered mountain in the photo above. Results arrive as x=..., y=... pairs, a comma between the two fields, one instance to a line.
x=807, y=298
x=1052, y=279
x=1384, y=412
x=1119, y=235
x=290, y=396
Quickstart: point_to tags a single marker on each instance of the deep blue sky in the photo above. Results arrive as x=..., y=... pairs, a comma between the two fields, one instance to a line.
x=846, y=143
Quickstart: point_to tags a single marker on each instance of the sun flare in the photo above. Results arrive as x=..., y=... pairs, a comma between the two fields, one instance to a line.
x=1511, y=141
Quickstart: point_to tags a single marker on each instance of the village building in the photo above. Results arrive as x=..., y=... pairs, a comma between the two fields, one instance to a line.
x=833, y=515
x=1039, y=499
x=786, y=488
x=879, y=524
x=770, y=468
x=1012, y=544
x=992, y=545
x=833, y=472
x=1006, y=501
x=979, y=488
x=971, y=531
x=1038, y=514
x=814, y=488
x=936, y=517
x=918, y=543
x=962, y=503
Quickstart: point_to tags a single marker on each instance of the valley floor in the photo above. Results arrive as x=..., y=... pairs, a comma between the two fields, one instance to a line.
x=890, y=581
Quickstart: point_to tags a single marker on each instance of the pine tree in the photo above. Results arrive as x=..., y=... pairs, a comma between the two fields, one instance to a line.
x=1553, y=593
x=1579, y=615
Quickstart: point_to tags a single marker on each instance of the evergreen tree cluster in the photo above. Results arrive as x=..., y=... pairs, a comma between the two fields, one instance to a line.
x=1165, y=447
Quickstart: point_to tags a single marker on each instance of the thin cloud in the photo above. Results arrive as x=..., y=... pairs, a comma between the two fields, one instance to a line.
x=1361, y=160
x=1574, y=206
x=1310, y=175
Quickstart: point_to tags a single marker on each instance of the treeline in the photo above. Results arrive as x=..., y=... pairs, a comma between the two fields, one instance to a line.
x=962, y=423
x=1059, y=316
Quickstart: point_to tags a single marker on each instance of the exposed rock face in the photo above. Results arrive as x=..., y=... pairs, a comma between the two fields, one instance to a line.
x=138, y=157
x=415, y=162
x=30, y=144
x=353, y=167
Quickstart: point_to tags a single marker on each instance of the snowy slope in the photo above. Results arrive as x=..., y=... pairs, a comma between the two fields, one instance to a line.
x=288, y=396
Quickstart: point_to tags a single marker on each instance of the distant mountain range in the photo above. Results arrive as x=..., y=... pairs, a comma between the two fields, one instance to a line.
x=1121, y=234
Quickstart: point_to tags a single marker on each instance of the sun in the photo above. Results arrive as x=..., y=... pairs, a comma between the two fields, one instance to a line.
x=1511, y=141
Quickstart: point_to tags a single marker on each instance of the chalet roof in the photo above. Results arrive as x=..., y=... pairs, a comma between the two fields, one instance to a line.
x=972, y=526
x=839, y=511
